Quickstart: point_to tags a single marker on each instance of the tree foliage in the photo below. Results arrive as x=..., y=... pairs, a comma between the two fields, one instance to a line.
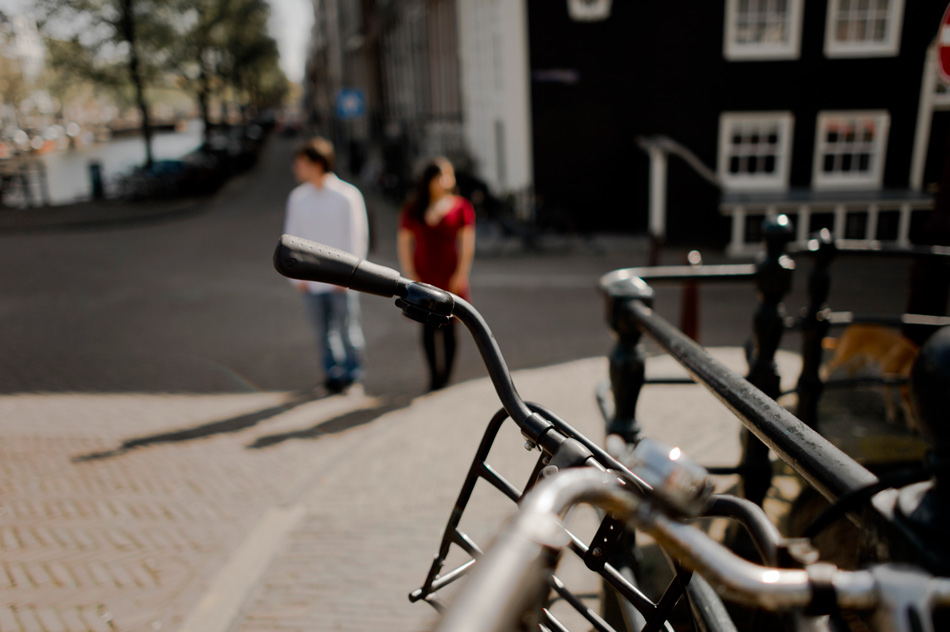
x=116, y=42
x=218, y=49
x=225, y=52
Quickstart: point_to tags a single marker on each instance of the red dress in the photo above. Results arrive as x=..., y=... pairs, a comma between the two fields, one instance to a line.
x=436, y=253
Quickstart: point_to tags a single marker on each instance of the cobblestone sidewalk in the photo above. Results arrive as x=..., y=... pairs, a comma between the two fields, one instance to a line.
x=265, y=511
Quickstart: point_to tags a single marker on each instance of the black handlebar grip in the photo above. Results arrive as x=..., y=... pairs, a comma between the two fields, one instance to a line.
x=306, y=260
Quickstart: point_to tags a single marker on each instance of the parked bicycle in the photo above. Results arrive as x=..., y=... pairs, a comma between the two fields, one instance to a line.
x=652, y=488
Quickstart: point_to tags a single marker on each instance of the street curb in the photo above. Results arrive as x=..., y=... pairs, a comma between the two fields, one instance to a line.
x=94, y=215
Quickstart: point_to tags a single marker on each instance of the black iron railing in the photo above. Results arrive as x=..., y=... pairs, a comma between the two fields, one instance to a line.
x=900, y=525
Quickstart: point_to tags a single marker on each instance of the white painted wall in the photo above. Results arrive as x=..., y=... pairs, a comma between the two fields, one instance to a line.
x=496, y=106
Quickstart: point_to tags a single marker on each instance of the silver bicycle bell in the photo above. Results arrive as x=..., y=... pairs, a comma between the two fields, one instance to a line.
x=677, y=481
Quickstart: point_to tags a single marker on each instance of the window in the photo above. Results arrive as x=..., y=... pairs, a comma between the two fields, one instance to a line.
x=863, y=28
x=762, y=29
x=755, y=150
x=849, y=149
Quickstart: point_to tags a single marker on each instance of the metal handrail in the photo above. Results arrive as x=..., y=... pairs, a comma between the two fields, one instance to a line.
x=812, y=456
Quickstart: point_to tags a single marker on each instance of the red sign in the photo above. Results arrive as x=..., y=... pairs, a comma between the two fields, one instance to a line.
x=943, y=47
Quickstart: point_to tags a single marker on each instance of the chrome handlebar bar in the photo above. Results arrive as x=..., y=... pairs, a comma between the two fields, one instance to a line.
x=508, y=584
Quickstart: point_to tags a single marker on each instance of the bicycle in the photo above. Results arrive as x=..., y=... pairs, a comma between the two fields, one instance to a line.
x=653, y=488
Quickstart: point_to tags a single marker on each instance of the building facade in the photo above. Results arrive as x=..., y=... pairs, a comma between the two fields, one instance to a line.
x=436, y=77
x=828, y=111
x=631, y=116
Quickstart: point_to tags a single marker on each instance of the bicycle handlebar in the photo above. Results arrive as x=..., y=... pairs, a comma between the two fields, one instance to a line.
x=307, y=260
x=526, y=552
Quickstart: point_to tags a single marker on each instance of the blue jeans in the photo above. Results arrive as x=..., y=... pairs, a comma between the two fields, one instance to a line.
x=336, y=319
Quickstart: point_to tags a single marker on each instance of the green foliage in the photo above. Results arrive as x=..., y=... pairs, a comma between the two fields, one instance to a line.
x=99, y=37
x=224, y=49
x=216, y=48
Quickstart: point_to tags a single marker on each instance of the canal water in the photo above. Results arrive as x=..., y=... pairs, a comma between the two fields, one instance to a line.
x=67, y=170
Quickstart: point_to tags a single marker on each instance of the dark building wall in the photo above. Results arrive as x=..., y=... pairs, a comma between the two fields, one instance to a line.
x=658, y=68
x=646, y=70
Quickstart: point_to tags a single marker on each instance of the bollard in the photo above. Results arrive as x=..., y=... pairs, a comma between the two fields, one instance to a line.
x=95, y=180
x=627, y=361
x=815, y=327
x=773, y=280
x=924, y=508
x=689, y=307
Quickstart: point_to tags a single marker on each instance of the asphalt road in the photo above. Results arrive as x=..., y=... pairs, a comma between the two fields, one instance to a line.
x=191, y=304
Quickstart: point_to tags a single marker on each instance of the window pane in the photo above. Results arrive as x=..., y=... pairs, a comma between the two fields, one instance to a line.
x=761, y=21
x=860, y=31
x=828, y=164
x=846, y=163
x=879, y=30
x=859, y=21
x=851, y=149
x=755, y=151
x=841, y=31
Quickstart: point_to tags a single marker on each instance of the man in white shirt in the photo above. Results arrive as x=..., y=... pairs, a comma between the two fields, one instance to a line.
x=326, y=209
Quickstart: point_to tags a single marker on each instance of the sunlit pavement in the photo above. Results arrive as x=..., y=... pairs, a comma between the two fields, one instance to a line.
x=268, y=511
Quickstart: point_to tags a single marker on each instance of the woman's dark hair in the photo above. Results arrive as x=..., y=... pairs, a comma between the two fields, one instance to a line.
x=318, y=150
x=419, y=196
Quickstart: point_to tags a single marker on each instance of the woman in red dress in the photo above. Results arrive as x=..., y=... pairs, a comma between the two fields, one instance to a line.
x=436, y=243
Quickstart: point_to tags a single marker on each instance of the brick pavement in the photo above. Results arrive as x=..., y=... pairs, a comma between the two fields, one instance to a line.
x=370, y=530
x=259, y=511
x=94, y=536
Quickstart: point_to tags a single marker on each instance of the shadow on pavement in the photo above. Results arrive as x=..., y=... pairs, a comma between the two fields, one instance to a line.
x=338, y=424
x=233, y=424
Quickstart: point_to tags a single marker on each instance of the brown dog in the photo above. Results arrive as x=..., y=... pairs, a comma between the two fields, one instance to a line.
x=884, y=352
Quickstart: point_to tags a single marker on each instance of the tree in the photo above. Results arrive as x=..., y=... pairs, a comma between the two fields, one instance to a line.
x=115, y=41
x=197, y=59
x=254, y=69
x=225, y=48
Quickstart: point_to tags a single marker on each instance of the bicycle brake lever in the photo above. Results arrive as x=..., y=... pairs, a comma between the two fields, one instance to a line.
x=906, y=600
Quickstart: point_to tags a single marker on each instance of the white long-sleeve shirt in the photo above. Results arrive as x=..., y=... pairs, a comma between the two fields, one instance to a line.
x=334, y=214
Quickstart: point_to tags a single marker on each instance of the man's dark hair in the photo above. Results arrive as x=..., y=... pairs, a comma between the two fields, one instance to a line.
x=320, y=151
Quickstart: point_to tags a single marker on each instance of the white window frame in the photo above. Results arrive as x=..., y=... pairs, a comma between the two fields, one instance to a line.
x=763, y=51
x=874, y=177
x=776, y=181
x=888, y=47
